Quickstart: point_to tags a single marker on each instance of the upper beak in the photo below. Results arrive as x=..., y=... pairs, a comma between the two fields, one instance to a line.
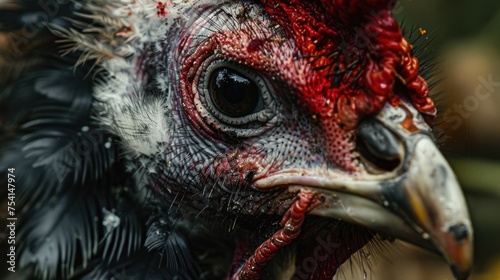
x=420, y=201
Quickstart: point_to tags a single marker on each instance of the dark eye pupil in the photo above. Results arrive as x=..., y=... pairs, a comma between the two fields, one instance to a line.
x=232, y=93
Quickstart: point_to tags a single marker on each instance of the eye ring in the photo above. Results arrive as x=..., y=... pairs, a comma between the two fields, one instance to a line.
x=250, y=121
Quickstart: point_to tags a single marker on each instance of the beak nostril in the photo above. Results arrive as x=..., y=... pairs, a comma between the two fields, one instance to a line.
x=249, y=176
x=459, y=232
x=378, y=145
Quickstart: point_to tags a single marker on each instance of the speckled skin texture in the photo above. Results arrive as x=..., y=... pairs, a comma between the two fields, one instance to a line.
x=318, y=84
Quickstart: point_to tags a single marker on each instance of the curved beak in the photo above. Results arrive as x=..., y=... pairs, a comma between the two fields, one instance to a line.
x=427, y=194
x=419, y=201
x=429, y=200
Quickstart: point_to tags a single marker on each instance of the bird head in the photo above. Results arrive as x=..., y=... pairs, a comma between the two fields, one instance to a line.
x=308, y=118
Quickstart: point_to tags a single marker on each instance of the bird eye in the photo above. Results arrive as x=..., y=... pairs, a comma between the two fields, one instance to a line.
x=233, y=94
x=235, y=98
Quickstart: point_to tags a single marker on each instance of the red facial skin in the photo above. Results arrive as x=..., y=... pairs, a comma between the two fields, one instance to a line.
x=337, y=80
x=300, y=75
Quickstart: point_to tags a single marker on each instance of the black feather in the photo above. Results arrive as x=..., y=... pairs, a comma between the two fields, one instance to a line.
x=67, y=173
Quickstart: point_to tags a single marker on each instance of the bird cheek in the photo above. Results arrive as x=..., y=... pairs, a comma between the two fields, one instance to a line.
x=239, y=168
x=339, y=145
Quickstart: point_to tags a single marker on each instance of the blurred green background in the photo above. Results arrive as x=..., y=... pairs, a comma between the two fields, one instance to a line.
x=466, y=41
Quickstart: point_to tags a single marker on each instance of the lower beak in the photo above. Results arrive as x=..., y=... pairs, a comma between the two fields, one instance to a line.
x=420, y=201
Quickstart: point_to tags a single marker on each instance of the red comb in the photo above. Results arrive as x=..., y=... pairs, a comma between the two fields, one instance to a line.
x=358, y=53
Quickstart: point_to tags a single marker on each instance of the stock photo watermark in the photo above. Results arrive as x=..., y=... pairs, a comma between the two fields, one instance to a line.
x=75, y=155
x=11, y=219
x=62, y=167
x=40, y=20
x=322, y=252
x=456, y=114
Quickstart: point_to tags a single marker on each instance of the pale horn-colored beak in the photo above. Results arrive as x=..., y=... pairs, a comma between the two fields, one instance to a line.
x=423, y=203
x=419, y=200
x=429, y=200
